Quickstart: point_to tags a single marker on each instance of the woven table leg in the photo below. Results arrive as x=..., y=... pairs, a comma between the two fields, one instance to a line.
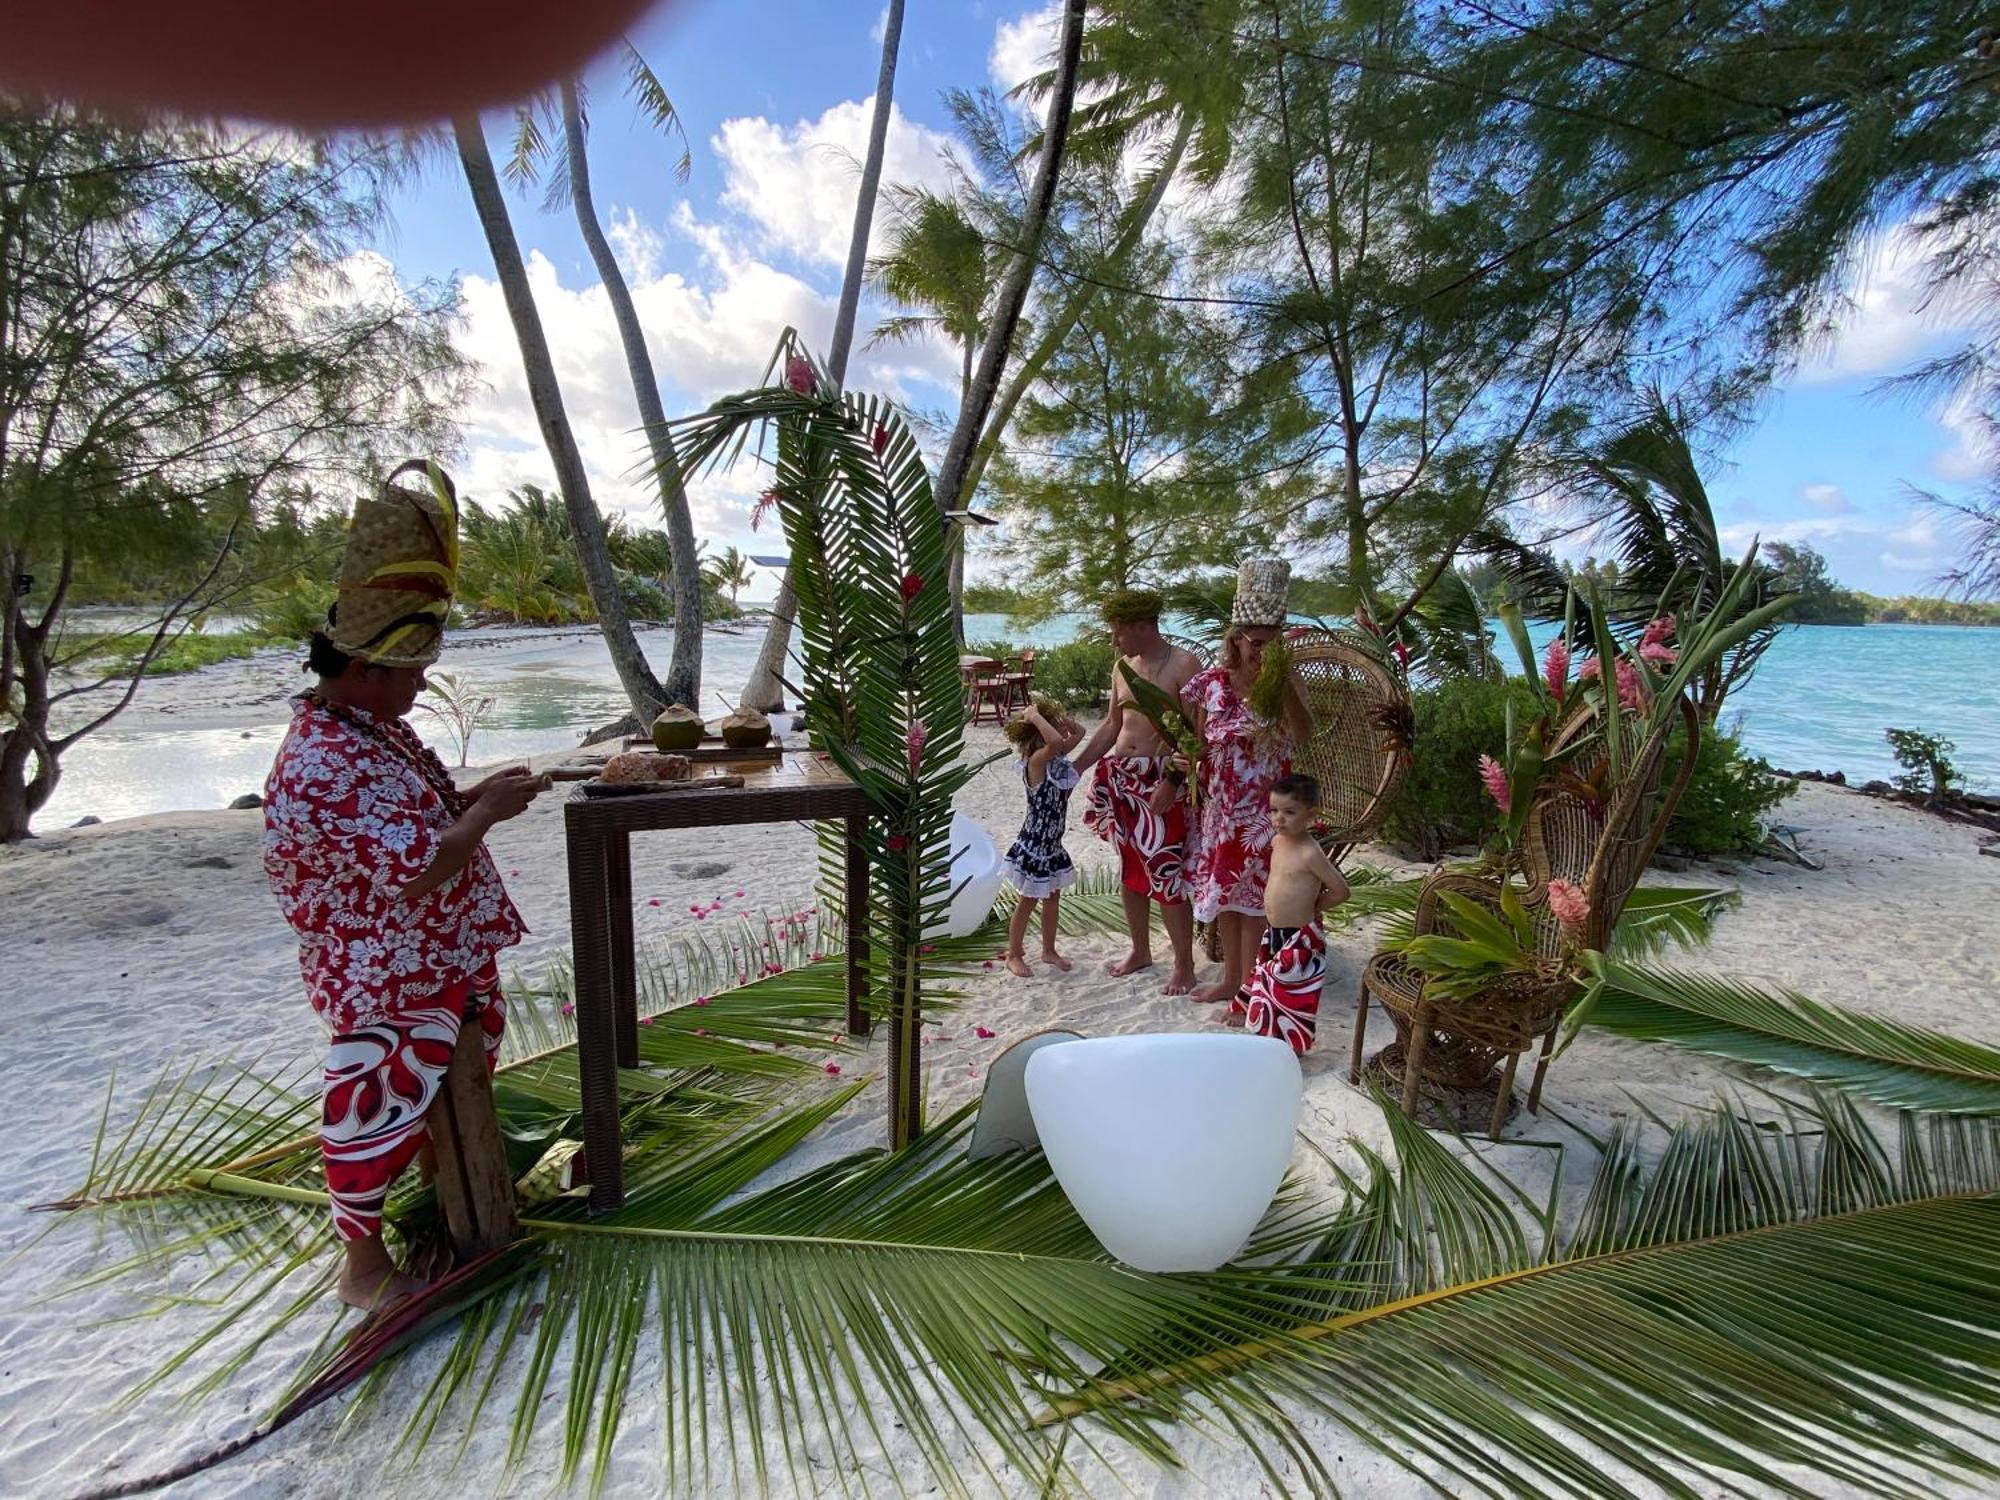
x=1360, y=1032
x=858, y=1021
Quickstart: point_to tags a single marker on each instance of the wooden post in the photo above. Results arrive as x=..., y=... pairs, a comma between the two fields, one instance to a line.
x=596, y=1021
x=1360, y=1033
x=474, y=1187
x=624, y=958
x=859, y=1022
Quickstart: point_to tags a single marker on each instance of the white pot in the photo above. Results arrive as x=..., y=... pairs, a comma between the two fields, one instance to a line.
x=1169, y=1146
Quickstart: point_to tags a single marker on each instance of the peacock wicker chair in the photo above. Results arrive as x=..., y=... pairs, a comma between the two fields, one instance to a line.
x=1362, y=730
x=1598, y=841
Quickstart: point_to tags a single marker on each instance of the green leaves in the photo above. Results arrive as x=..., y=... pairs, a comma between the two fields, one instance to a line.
x=1885, y=1061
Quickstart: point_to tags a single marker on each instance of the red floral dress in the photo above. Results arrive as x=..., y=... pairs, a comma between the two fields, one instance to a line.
x=351, y=817
x=1230, y=850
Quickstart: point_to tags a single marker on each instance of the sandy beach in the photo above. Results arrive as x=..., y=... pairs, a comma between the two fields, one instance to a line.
x=152, y=944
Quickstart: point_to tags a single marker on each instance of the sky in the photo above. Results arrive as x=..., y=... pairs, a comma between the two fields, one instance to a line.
x=776, y=97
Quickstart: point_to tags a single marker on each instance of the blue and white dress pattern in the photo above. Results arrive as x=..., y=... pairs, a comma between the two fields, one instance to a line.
x=1037, y=864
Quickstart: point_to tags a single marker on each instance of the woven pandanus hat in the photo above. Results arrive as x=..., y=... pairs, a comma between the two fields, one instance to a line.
x=400, y=571
x=1261, y=585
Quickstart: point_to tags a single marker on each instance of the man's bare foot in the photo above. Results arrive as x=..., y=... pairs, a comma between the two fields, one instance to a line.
x=374, y=1293
x=1209, y=994
x=1131, y=963
x=1180, y=981
x=1018, y=966
x=1056, y=961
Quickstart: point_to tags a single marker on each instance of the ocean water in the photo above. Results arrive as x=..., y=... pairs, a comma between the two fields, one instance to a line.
x=1820, y=700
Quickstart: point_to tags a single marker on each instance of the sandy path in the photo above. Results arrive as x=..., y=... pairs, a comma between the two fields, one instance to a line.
x=154, y=943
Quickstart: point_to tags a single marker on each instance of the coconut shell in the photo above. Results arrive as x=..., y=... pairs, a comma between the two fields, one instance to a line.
x=746, y=730
x=677, y=728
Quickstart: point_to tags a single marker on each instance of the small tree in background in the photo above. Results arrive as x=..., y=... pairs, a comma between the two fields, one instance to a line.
x=1928, y=771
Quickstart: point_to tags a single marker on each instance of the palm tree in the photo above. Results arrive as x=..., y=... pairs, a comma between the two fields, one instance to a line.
x=731, y=571
x=642, y=690
x=572, y=183
x=937, y=264
x=763, y=689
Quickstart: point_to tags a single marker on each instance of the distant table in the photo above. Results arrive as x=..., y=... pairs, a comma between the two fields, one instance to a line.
x=599, y=829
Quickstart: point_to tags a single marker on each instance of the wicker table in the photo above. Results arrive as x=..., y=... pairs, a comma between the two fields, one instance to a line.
x=599, y=830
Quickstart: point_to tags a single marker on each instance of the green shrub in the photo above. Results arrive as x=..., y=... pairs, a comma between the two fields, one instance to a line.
x=1928, y=771
x=1722, y=811
x=189, y=653
x=1078, y=673
x=1441, y=804
x=289, y=609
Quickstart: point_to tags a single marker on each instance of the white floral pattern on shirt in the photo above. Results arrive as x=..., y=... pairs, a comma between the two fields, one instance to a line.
x=348, y=822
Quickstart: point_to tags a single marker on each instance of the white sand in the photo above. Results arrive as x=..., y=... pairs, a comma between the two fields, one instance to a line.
x=146, y=944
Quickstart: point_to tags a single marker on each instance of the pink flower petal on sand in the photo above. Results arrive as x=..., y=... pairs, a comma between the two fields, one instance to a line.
x=987, y=965
x=833, y=1070
x=985, y=1034
x=703, y=999
x=645, y=1020
x=513, y=872
x=739, y=895
x=701, y=1031
x=655, y=901
x=818, y=956
x=928, y=948
x=569, y=1007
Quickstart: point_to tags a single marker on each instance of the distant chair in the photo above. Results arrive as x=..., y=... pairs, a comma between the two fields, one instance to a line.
x=1602, y=849
x=1021, y=681
x=989, y=688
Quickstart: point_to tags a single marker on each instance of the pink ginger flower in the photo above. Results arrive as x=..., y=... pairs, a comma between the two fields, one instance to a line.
x=913, y=741
x=1495, y=776
x=1632, y=688
x=1555, y=666
x=799, y=375
x=1568, y=903
x=833, y=1070
x=1658, y=632
x=1588, y=671
x=766, y=503
x=1659, y=653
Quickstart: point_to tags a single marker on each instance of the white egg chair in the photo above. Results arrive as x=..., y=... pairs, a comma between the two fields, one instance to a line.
x=1171, y=1146
x=976, y=877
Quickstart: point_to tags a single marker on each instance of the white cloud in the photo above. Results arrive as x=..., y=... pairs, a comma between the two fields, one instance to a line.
x=1828, y=498
x=1889, y=317
x=797, y=183
x=1971, y=456
x=1024, y=47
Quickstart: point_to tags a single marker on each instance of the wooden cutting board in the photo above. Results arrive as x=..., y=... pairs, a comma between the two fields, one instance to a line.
x=659, y=788
x=714, y=750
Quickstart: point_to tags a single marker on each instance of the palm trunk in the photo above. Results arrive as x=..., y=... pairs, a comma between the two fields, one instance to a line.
x=1066, y=317
x=684, y=670
x=957, y=461
x=642, y=689
x=763, y=691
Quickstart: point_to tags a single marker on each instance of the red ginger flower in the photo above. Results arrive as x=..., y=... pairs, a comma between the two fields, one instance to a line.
x=1568, y=903
x=799, y=375
x=880, y=439
x=913, y=585
x=766, y=503
x=1555, y=666
x=1495, y=776
x=897, y=842
x=1658, y=632
x=1632, y=688
x=913, y=741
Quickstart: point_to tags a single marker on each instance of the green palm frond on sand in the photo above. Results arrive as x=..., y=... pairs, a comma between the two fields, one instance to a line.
x=1777, y=1305
x=1885, y=1061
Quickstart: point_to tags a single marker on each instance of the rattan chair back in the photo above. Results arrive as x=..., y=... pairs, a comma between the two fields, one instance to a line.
x=1360, y=746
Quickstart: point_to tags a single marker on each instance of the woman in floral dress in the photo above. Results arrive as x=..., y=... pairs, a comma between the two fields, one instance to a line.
x=1243, y=754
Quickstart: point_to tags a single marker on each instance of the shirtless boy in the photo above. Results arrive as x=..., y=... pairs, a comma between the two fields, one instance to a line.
x=1282, y=997
x=1135, y=801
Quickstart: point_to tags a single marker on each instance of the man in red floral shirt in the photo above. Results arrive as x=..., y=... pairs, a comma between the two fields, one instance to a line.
x=379, y=865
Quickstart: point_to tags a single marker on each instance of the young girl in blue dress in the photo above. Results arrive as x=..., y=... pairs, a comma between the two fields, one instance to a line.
x=1037, y=864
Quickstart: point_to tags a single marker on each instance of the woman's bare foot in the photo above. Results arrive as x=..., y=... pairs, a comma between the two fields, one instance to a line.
x=1056, y=961
x=372, y=1293
x=1209, y=994
x=1180, y=981
x=1018, y=966
x=1131, y=963
x=1229, y=1017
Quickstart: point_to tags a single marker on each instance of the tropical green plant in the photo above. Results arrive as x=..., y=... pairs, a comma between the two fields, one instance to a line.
x=731, y=571
x=184, y=349
x=1928, y=770
x=460, y=707
x=962, y=1304
x=1885, y=1061
x=880, y=690
x=1441, y=806
x=1726, y=801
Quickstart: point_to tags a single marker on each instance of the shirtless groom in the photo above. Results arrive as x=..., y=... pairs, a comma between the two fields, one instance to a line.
x=1133, y=803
